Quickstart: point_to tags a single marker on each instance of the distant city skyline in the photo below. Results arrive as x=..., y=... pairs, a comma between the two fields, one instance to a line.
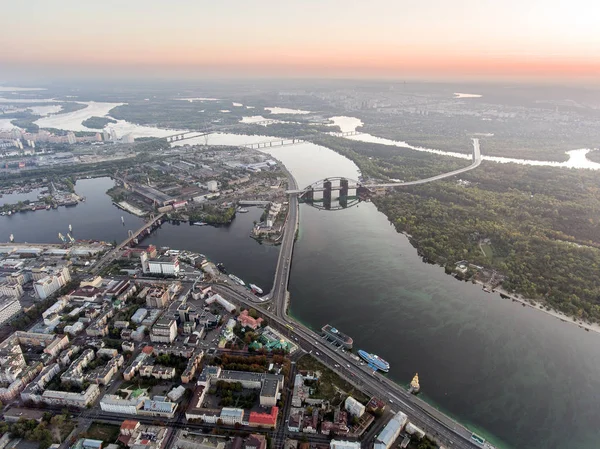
x=433, y=39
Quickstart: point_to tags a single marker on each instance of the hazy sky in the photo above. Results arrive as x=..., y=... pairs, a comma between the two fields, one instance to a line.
x=349, y=38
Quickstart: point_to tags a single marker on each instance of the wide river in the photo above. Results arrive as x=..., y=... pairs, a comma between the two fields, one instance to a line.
x=516, y=375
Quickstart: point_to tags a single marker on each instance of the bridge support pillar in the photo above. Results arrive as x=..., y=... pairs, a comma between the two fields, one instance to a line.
x=327, y=194
x=343, y=188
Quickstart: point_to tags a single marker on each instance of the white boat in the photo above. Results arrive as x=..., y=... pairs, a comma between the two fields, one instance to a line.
x=242, y=210
x=199, y=223
x=256, y=289
x=237, y=279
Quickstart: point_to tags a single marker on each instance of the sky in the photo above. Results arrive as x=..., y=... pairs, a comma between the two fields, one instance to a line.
x=470, y=39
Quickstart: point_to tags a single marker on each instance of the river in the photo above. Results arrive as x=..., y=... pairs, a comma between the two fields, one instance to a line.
x=520, y=377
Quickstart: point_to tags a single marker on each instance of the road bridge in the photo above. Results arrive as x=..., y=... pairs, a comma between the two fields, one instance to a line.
x=344, y=185
x=112, y=254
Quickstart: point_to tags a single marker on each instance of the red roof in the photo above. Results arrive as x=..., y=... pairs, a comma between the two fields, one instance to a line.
x=147, y=349
x=129, y=424
x=269, y=419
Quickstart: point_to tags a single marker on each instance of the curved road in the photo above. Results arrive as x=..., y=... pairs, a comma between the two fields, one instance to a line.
x=475, y=164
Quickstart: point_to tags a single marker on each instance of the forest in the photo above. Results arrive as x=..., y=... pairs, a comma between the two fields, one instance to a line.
x=97, y=122
x=541, y=225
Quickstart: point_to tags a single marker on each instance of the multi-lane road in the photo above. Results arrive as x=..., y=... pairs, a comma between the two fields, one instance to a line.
x=438, y=425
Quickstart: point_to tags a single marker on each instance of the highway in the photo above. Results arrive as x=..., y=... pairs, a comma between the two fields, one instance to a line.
x=436, y=424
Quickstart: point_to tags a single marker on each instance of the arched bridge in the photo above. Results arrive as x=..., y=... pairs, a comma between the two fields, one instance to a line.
x=351, y=191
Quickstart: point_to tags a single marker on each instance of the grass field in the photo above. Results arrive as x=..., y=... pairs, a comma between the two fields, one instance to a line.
x=105, y=432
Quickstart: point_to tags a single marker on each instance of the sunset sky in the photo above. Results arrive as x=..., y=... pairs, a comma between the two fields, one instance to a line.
x=550, y=39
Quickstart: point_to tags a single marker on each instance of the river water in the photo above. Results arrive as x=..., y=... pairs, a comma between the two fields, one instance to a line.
x=518, y=376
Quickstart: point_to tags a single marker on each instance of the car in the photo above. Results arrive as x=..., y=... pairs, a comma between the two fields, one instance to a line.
x=347, y=365
x=317, y=353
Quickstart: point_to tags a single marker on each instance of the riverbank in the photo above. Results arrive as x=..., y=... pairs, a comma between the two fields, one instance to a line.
x=535, y=305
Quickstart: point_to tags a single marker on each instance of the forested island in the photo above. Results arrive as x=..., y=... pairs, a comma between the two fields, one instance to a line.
x=97, y=122
x=537, y=227
x=594, y=156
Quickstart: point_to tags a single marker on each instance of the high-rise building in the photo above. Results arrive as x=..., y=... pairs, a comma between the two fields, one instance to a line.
x=71, y=138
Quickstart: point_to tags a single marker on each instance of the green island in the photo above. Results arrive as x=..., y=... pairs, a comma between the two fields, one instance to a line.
x=594, y=156
x=97, y=122
x=535, y=229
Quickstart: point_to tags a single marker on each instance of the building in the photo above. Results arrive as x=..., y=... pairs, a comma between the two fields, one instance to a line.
x=230, y=416
x=158, y=406
x=255, y=441
x=9, y=308
x=80, y=400
x=176, y=393
x=71, y=137
x=139, y=315
x=246, y=320
x=258, y=419
x=212, y=186
x=12, y=290
x=114, y=403
x=390, y=432
x=269, y=384
x=191, y=367
x=354, y=407
x=221, y=301
x=14, y=414
x=51, y=283
x=88, y=443
x=133, y=434
x=339, y=444
x=295, y=419
x=157, y=371
x=157, y=297
x=163, y=331
x=166, y=265
x=339, y=425
x=33, y=391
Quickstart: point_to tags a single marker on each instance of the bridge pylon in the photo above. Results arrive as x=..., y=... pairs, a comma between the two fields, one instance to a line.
x=343, y=188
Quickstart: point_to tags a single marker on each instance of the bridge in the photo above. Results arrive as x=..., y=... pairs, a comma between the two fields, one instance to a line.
x=184, y=135
x=345, y=186
x=132, y=235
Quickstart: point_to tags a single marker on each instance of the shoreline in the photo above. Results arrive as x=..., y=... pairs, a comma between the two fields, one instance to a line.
x=589, y=327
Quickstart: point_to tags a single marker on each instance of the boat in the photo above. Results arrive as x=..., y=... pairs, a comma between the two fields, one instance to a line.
x=242, y=210
x=237, y=279
x=221, y=268
x=256, y=289
x=338, y=337
x=374, y=361
x=199, y=223
x=414, y=384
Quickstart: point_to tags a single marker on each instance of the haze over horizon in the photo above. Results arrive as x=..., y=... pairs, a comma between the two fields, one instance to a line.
x=511, y=40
